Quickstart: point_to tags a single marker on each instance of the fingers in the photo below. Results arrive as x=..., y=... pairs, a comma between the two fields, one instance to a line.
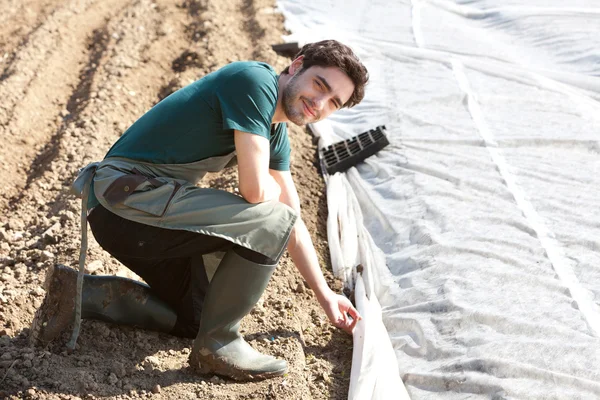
x=349, y=325
x=354, y=313
x=353, y=325
x=342, y=321
x=342, y=313
x=350, y=322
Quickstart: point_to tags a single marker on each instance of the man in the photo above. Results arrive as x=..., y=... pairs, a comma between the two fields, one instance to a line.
x=147, y=212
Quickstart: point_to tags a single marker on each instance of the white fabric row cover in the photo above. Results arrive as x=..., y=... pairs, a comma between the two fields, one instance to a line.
x=478, y=227
x=375, y=372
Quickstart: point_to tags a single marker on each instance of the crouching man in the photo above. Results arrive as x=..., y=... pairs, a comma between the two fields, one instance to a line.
x=145, y=210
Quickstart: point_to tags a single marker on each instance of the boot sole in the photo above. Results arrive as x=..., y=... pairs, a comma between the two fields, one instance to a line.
x=212, y=365
x=55, y=314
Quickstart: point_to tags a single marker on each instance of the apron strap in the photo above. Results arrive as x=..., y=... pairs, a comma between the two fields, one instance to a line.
x=82, y=254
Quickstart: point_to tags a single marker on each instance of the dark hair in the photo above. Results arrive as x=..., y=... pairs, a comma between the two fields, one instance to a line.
x=331, y=53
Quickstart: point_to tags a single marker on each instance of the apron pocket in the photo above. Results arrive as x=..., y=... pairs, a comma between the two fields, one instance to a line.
x=150, y=195
x=153, y=200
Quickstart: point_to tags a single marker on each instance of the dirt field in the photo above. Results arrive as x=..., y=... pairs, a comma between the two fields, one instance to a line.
x=74, y=74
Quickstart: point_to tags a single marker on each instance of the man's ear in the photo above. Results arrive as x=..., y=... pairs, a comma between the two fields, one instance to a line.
x=296, y=65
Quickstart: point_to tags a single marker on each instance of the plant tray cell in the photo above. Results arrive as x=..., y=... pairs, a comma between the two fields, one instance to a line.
x=340, y=156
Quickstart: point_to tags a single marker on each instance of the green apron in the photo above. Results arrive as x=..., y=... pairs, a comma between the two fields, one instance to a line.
x=165, y=195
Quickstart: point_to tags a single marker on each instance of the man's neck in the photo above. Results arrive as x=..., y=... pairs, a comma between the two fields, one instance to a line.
x=279, y=115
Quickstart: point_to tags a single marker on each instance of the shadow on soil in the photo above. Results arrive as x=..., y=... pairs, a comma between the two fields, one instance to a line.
x=9, y=69
x=75, y=105
x=252, y=27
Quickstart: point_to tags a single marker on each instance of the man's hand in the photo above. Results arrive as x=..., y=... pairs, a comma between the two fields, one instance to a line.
x=337, y=308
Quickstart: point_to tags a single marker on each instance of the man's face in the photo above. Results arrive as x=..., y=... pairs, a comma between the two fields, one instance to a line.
x=312, y=94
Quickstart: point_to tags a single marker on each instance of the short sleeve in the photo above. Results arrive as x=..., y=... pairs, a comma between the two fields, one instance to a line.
x=248, y=99
x=280, y=149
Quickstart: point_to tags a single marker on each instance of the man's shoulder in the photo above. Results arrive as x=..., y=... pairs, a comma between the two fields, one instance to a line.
x=250, y=71
x=249, y=66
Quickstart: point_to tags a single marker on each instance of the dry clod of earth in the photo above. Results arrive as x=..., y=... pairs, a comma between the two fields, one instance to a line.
x=74, y=74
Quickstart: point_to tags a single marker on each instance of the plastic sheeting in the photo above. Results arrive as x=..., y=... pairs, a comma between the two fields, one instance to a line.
x=477, y=228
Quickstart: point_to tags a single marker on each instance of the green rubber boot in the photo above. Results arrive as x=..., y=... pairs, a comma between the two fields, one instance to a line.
x=107, y=298
x=219, y=348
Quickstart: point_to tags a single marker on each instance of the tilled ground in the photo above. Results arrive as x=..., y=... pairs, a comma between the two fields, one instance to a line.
x=74, y=75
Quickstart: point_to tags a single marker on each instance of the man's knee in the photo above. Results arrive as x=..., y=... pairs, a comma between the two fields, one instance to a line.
x=254, y=256
x=286, y=209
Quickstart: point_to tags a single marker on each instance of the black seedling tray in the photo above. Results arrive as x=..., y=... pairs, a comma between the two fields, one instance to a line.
x=340, y=156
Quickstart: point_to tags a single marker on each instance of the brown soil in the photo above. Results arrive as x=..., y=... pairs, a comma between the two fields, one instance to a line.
x=73, y=76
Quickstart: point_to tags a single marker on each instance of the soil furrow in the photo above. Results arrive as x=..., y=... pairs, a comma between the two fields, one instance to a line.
x=252, y=27
x=103, y=88
x=36, y=94
x=16, y=21
x=35, y=53
x=10, y=55
x=75, y=105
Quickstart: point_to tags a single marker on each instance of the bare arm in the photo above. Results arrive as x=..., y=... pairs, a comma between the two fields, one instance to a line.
x=256, y=184
x=304, y=255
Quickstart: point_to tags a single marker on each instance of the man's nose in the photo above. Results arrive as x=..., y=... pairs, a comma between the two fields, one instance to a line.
x=319, y=103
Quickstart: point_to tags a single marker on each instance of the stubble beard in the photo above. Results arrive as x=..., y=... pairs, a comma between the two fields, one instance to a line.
x=290, y=96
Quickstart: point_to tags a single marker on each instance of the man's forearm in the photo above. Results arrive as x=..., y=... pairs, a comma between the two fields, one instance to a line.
x=268, y=190
x=303, y=254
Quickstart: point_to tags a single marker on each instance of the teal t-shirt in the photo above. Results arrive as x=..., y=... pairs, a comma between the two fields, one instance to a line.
x=197, y=121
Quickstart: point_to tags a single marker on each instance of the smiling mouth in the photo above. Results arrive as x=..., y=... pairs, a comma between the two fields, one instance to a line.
x=307, y=110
